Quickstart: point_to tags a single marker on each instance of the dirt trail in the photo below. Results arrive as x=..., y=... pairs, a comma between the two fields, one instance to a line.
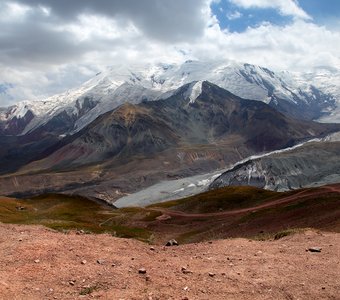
x=298, y=196
x=332, y=188
x=38, y=263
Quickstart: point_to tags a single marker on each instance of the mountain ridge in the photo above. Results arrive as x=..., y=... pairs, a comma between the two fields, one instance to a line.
x=117, y=85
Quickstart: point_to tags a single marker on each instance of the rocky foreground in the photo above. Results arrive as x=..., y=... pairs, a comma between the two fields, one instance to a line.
x=38, y=263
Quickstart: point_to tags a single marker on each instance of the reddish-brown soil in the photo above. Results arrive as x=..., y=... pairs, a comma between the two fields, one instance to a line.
x=308, y=208
x=38, y=263
x=305, y=194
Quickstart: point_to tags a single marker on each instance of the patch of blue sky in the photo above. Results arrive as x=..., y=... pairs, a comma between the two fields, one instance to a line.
x=323, y=12
x=4, y=87
x=237, y=19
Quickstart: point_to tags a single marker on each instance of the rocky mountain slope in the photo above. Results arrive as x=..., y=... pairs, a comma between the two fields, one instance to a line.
x=313, y=164
x=73, y=110
x=199, y=113
x=199, y=129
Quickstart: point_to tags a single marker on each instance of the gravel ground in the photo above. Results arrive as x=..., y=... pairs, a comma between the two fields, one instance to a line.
x=38, y=263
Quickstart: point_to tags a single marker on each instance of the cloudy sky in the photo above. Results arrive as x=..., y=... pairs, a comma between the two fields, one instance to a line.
x=48, y=46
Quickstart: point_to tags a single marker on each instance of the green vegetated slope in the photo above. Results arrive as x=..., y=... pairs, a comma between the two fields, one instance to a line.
x=227, y=212
x=63, y=212
x=223, y=199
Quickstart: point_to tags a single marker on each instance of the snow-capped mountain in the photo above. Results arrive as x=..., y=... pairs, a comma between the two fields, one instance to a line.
x=107, y=90
x=200, y=128
x=326, y=80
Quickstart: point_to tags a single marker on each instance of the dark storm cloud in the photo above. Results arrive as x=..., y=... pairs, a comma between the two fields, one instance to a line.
x=33, y=42
x=166, y=20
x=47, y=46
x=40, y=38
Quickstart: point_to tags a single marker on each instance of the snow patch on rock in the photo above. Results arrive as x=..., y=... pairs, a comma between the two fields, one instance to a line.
x=196, y=91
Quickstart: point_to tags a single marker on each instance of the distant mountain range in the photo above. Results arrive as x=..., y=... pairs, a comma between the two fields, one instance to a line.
x=199, y=128
x=304, y=96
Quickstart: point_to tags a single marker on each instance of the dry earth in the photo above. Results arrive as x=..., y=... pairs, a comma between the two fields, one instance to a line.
x=38, y=263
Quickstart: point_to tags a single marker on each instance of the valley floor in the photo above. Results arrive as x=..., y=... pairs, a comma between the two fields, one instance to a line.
x=39, y=263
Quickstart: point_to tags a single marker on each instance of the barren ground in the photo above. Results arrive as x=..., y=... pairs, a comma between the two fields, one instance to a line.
x=38, y=263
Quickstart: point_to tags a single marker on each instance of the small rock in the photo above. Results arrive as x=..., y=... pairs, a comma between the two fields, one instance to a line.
x=20, y=240
x=186, y=271
x=72, y=282
x=147, y=278
x=211, y=274
x=83, y=262
x=172, y=243
x=186, y=288
x=314, y=249
x=142, y=271
x=100, y=261
x=185, y=298
x=20, y=207
x=152, y=248
x=37, y=261
x=323, y=288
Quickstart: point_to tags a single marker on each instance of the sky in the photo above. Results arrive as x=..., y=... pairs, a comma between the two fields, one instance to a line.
x=49, y=46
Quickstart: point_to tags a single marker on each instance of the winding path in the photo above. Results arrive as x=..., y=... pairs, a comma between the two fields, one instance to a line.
x=298, y=196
